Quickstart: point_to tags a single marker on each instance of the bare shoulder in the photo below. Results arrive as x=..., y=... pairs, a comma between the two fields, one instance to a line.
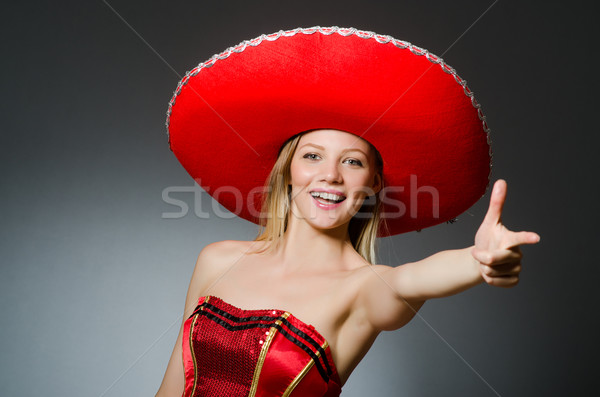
x=379, y=269
x=371, y=274
x=206, y=269
x=364, y=279
x=222, y=252
x=382, y=305
x=370, y=277
x=215, y=255
x=221, y=249
x=215, y=258
x=377, y=276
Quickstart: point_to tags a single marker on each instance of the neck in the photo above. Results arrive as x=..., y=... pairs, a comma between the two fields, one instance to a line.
x=306, y=247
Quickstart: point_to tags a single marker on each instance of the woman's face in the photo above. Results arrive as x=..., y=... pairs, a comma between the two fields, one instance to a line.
x=331, y=174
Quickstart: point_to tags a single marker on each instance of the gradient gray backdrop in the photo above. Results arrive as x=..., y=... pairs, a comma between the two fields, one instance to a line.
x=93, y=278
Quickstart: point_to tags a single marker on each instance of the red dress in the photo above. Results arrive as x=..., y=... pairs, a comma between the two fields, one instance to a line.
x=228, y=351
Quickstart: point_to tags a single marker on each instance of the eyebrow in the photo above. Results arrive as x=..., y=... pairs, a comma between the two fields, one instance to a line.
x=344, y=151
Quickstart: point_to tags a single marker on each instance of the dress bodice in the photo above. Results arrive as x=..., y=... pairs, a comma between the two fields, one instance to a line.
x=228, y=351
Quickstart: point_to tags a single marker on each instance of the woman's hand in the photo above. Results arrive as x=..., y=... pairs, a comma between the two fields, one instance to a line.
x=497, y=248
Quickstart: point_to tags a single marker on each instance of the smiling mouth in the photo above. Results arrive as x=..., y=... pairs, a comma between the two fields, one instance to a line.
x=328, y=198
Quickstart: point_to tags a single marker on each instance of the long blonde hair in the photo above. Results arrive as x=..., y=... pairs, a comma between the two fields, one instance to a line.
x=276, y=205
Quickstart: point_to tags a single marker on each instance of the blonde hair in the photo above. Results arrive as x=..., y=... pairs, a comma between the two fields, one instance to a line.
x=276, y=204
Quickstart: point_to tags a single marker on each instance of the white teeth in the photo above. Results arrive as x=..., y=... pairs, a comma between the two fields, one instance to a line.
x=327, y=196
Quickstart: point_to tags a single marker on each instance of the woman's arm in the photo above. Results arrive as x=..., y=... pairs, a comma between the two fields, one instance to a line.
x=495, y=258
x=205, y=271
x=442, y=274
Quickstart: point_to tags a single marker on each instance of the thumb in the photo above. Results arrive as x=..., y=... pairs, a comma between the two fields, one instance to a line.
x=520, y=238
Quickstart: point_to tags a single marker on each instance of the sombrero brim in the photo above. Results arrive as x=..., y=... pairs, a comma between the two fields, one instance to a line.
x=230, y=115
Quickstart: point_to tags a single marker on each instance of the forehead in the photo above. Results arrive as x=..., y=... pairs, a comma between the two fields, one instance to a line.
x=334, y=139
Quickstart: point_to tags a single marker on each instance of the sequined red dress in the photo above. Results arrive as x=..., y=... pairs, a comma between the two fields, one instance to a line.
x=228, y=351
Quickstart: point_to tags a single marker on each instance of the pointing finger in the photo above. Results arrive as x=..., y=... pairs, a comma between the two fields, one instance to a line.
x=496, y=202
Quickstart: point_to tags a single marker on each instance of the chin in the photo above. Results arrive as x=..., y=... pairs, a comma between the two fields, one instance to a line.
x=328, y=224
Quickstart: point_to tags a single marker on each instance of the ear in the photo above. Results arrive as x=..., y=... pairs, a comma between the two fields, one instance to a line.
x=377, y=183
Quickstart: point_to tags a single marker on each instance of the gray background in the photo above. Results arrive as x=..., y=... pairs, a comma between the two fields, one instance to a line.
x=93, y=277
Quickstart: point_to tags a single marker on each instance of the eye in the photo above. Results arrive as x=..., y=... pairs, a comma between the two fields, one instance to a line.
x=354, y=162
x=311, y=156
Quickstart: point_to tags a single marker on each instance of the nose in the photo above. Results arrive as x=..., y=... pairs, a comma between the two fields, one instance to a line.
x=331, y=172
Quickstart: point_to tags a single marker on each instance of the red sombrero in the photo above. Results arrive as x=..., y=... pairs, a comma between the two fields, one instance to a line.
x=230, y=115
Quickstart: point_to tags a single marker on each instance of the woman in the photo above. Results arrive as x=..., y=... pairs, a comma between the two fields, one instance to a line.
x=294, y=312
